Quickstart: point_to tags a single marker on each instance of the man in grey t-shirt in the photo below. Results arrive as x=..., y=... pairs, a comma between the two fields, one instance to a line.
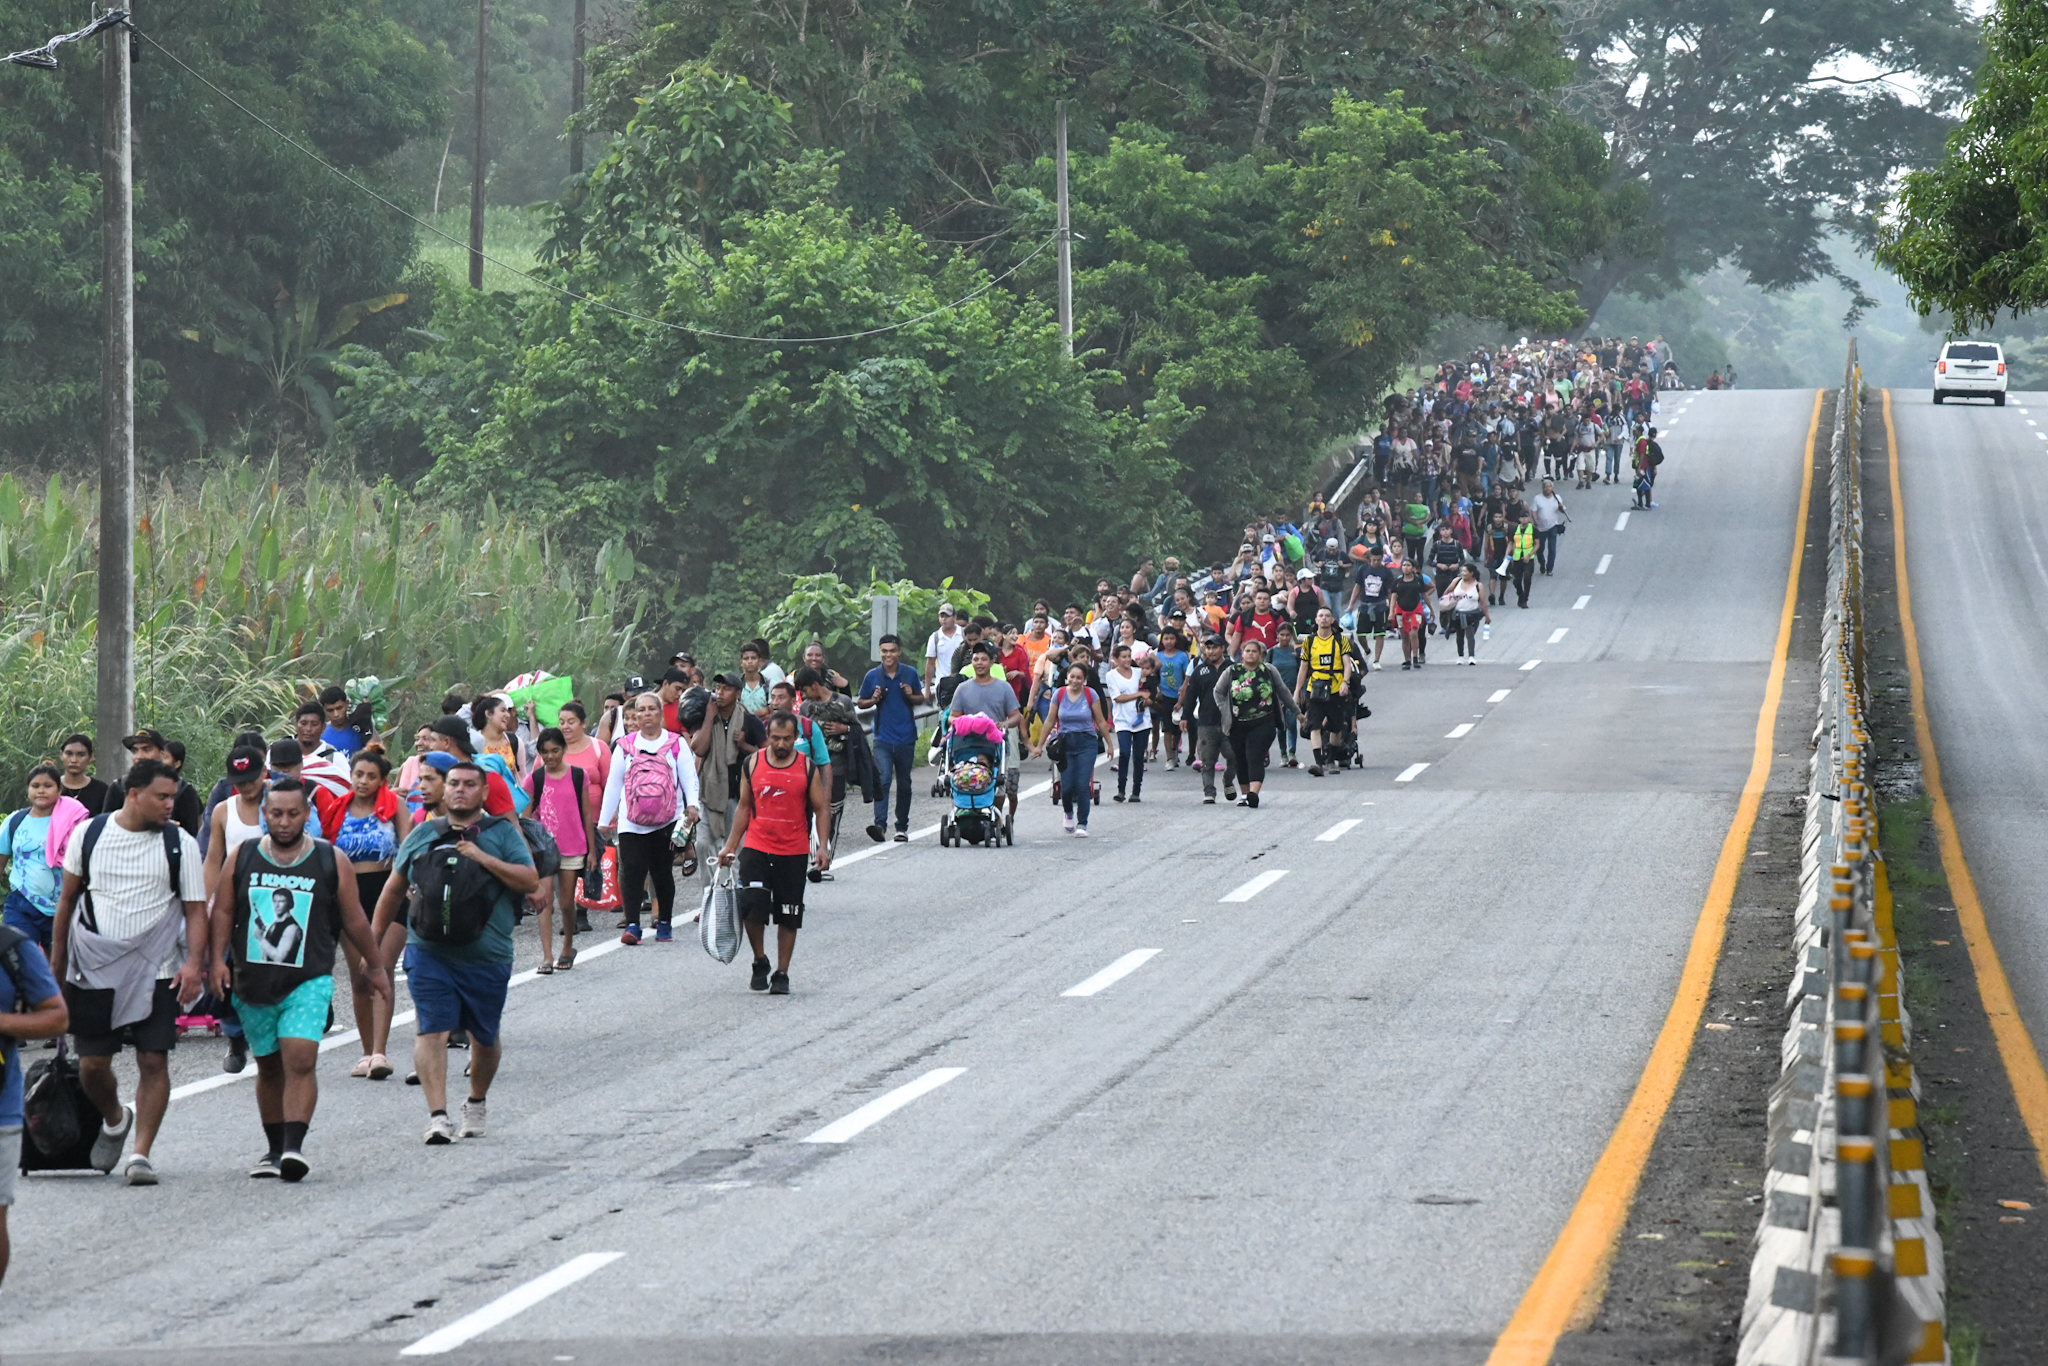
x=985, y=695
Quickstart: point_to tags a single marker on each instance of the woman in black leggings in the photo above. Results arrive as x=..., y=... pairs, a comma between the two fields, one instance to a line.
x=1250, y=696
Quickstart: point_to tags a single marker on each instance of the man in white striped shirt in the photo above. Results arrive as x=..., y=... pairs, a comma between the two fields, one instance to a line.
x=129, y=953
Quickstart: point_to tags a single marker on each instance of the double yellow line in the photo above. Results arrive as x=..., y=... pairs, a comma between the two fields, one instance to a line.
x=1568, y=1288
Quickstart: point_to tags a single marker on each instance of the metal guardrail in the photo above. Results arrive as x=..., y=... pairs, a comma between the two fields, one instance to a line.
x=1848, y=1264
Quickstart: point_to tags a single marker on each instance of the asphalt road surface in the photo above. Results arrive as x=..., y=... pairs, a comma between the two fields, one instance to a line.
x=1339, y=1112
x=1977, y=559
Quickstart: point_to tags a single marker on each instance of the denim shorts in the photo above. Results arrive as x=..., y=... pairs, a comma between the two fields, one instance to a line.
x=448, y=996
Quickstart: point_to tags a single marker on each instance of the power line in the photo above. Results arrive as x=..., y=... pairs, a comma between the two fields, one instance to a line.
x=45, y=56
x=565, y=292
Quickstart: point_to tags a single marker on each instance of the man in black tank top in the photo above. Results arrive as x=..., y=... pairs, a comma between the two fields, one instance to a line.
x=286, y=901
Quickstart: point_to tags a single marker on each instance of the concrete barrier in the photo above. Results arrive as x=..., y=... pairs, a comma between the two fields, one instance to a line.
x=1847, y=1263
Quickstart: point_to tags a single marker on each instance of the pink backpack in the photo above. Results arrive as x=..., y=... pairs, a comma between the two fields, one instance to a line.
x=649, y=792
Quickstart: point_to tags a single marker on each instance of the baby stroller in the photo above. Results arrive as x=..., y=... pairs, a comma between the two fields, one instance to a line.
x=973, y=777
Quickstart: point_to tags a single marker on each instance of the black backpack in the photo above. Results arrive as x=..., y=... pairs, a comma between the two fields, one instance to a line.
x=58, y=1122
x=452, y=896
x=174, y=858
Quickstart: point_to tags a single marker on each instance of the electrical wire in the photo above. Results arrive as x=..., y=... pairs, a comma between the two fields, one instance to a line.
x=315, y=157
x=45, y=57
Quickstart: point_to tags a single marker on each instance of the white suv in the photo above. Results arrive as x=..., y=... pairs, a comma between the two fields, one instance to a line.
x=1968, y=369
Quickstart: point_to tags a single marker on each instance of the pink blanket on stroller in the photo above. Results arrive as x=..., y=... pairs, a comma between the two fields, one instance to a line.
x=978, y=726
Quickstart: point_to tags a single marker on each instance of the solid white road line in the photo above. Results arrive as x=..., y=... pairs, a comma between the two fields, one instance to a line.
x=1557, y=635
x=1337, y=832
x=1605, y=560
x=1621, y=522
x=1256, y=885
x=1114, y=973
x=1500, y=696
x=880, y=1108
x=1530, y=665
x=1410, y=773
x=1460, y=731
x=1580, y=605
x=513, y=1302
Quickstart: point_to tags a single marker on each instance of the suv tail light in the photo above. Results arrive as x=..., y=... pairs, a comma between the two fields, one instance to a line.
x=1941, y=367
x=2001, y=367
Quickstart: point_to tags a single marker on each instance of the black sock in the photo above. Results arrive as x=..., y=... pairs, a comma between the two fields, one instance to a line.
x=437, y=1114
x=274, y=1133
x=294, y=1135
x=476, y=1100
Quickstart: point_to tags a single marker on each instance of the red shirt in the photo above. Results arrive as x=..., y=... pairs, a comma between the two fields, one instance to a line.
x=781, y=823
x=1017, y=672
x=497, y=795
x=1265, y=629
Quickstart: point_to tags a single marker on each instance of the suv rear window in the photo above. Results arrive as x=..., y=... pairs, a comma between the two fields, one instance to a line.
x=1972, y=351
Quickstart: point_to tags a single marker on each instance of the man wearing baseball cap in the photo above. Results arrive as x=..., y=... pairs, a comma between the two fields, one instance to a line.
x=149, y=743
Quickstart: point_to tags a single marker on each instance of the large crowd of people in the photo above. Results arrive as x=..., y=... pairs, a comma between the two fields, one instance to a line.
x=143, y=908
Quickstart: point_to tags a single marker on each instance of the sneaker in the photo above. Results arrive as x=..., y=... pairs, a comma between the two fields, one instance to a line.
x=412, y=1079
x=1209, y=800
x=106, y=1149
x=472, y=1119
x=1120, y=796
x=1315, y=770
x=876, y=832
x=631, y=936
x=1070, y=825
x=1229, y=794
x=238, y=1055
x=760, y=981
x=902, y=837
x=140, y=1171
x=1251, y=799
x=440, y=1131
x=264, y=1166
x=664, y=932
x=293, y=1167
x=1081, y=830
x=1135, y=799
x=778, y=984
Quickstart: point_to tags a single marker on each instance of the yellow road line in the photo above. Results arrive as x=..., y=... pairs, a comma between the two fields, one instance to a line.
x=2015, y=1046
x=1568, y=1288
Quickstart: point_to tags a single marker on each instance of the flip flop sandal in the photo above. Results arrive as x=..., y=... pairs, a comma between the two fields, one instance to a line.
x=688, y=866
x=362, y=1067
x=545, y=968
x=380, y=1067
x=566, y=961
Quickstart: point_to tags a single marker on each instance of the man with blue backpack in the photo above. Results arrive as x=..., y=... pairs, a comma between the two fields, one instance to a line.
x=460, y=878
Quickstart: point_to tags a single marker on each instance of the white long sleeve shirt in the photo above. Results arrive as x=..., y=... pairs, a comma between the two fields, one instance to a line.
x=681, y=761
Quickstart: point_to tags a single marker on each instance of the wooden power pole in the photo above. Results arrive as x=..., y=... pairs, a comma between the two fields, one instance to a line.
x=1066, y=305
x=476, y=174
x=576, y=89
x=114, y=713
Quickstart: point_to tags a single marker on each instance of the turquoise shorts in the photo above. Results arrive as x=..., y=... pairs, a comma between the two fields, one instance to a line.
x=302, y=1014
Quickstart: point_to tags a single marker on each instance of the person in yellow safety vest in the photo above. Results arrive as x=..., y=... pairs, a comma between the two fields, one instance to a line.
x=1322, y=690
x=1522, y=556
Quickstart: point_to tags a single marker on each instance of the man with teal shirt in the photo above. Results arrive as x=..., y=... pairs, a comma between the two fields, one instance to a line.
x=459, y=985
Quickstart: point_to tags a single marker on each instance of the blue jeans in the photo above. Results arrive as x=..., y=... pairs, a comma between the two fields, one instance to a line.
x=1077, y=771
x=1546, y=549
x=1614, y=461
x=892, y=763
x=1130, y=759
x=20, y=913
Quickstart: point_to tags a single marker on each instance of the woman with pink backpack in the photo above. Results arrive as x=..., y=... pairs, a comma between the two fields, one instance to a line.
x=653, y=781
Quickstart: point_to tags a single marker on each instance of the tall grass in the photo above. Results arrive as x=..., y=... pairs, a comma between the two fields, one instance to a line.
x=249, y=595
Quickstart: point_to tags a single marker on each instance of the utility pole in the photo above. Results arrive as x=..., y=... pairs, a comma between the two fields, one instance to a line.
x=1066, y=239
x=114, y=712
x=476, y=176
x=576, y=90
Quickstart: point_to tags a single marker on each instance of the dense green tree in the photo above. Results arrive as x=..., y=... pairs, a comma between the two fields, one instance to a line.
x=1969, y=237
x=1757, y=127
x=230, y=222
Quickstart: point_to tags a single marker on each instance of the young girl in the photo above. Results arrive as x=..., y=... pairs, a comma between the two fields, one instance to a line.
x=1285, y=656
x=565, y=802
x=373, y=825
x=24, y=844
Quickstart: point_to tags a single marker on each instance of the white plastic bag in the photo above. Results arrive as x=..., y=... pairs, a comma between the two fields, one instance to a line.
x=718, y=923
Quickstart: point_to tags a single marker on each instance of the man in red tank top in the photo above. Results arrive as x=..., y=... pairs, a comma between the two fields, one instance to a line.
x=783, y=798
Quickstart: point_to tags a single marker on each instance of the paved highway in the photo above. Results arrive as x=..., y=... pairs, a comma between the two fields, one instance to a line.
x=1977, y=559
x=1340, y=1110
